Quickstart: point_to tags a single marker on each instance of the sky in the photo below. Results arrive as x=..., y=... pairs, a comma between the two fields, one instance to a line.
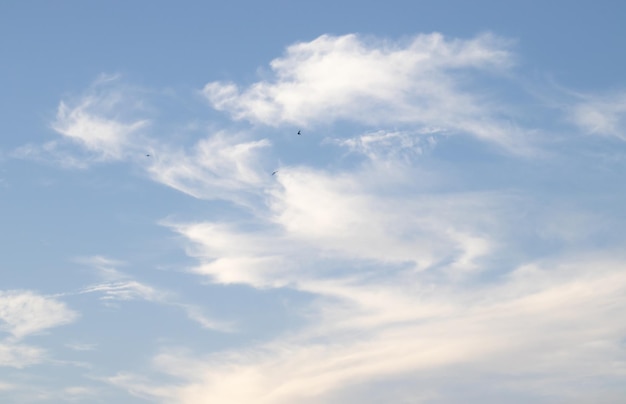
x=448, y=226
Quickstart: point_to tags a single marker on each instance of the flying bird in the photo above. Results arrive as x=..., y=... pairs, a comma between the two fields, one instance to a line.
x=274, y=172
x=147, y=155
x=299, y=133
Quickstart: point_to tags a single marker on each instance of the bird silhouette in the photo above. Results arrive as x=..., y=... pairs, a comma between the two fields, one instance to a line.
x=274, y=172
x=299, y=133
x=147, y=155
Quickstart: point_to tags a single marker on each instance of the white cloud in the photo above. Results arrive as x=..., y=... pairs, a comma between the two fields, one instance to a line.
x=51, y=151
x=401, y=298
x=316, y=215
x=388, y=148
x=108, y=123
x=79, y=392
x=406, y=282
x=141, y=387
x=98, y=121
x=121, y=287
x=555, y=322
x=106, y=267
x=105, y=122
x=352, y=216
x=81, y=346
x=25, y=313
x=231, y=256
x=133, y=290
x=602, y=115
x=196, y=314
x=20, y=355
x=423, y=82
x=420, y=85
x=129, y=290
x=222, y=165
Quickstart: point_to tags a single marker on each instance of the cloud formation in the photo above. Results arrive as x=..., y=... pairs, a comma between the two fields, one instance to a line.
x=429, y=81
x=119, y=286
x=405, y=286
x=406, y=283
x=25, y=313
x=110, y=122
x=108, y=137
x=220, y=166
x=104, y=123
x=602, y=115
x=424, y=287
x=20, y=355
x=98, y=121
x=541, y=322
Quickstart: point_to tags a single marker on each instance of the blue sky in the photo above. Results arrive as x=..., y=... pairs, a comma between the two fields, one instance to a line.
x=447, y=229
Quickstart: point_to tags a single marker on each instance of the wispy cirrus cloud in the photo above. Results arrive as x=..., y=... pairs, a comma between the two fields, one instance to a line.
x=77, y=346
x=543, y=321
x=106, y=267
x=425, y=82
x=109, y=123
x=51, y=152
x=407, y=283
x=25, y=313
x=384, y=147
x=82, y=123
x=228, y=255
x=404, y=280
x=99, y=121
x=20, y=355
x=351, y=216
x=601, y=115
x=221, y=166
x=119, y=287
x=104, y=123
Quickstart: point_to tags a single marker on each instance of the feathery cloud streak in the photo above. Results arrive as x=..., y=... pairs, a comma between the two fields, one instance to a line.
x=429, y=81
x=119, y=286
x=602, y=115
x=554, y=321
x=26, y=313
x=405, y=279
